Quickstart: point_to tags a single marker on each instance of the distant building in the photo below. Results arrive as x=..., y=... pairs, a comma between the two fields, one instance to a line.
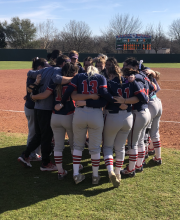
x=161, y=51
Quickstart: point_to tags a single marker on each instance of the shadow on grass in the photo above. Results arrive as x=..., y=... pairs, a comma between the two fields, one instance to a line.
x=22, y=187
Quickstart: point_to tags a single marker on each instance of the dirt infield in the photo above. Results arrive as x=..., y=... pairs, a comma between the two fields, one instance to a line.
x=13, y=89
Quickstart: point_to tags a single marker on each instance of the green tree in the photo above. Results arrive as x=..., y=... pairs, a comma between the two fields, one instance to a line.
x=2, y=37
x=20, y=33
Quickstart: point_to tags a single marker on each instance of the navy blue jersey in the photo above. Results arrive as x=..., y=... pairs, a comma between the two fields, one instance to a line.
x=126, y=90
x=89, y=85
x=81, y=69
x=29, y=103
x=147, y=84
x=69, y=104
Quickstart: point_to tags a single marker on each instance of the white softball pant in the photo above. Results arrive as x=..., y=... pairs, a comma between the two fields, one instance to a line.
x=155, y=108
x=90, y=119
x=116, y=129
x=31, y=129
x=140, y=121
x=61, y=124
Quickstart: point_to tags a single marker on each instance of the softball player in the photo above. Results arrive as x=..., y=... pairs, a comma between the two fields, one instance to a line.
x=141, y=118
x=88, y=117
x=119, y=120
x=155, y=108
x=37, y=64
x=61, y=119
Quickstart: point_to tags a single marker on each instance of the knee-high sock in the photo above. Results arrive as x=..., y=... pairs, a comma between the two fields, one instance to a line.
x=141, y=155
x=119, y=164
x=95, y=159
x=133, y=153
x=77, y=155
x=109, y=162
x=58, y=161
x=157, y=148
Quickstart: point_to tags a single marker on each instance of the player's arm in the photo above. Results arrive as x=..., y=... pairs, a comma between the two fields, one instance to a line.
x=33, y=73
x=93, y=103
x=121, y=100
x=42, y=95
x=46, y=93
x=78, y=97
x=72, y=86
x=58, y=79
x=103, y=91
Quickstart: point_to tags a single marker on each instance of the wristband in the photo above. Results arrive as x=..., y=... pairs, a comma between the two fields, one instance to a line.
x=124, y=101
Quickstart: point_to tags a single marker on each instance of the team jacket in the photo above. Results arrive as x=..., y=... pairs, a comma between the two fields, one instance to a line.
x=69, y=104
x=29, y=103
x=126, y=90
x=86, y=85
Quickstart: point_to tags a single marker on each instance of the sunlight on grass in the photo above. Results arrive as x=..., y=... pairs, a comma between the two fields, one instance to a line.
x=32, y=194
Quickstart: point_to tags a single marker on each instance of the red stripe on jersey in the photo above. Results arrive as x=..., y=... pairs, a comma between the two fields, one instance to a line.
x=72, y=85
x=49, y=89
x=140, y=91
x=104, y=86
x=147, y=79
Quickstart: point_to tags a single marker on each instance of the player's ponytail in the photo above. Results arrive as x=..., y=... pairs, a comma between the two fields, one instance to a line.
x=157, y=75
x=91, y=70
x=36, y=62
x=129, y=71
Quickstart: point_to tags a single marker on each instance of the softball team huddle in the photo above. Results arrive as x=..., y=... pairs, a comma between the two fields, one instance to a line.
x=116, y=107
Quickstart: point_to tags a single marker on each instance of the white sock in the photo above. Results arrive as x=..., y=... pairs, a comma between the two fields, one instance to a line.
x=141, y=155
x=119, y=164
x=109, y=162
x=77, y=155
x=95, y=159
x=133, y=153
x=58, y=161
x=157, y=148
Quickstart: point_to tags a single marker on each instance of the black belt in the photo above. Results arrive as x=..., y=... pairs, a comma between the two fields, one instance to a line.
x=115, y=112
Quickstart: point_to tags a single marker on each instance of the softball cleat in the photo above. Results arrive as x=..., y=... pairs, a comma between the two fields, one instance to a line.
x=127, y=172
x=95, y=180
x=49, y=167
x=139, y=169
x=62, y=175
x=78, y=178
x=157, y=161
x=113, y=179
x=24, y=161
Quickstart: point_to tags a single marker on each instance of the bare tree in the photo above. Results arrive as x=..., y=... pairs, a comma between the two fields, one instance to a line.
x=46, y=33
x=75, y=35
x=158, y=39
x=174, y=33
x=118, y=25
x=174, y=30
x=123, y=24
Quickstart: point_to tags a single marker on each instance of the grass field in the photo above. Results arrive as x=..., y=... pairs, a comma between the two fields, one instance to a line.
x=32, y=194
x=28, y=64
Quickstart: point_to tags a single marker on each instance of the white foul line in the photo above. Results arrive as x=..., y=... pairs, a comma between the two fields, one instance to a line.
x=10, y=111
x=171, y=121
x=23, y=112
x=170, y=89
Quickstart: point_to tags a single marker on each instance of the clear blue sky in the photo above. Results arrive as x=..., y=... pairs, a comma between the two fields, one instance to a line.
x=96, y=13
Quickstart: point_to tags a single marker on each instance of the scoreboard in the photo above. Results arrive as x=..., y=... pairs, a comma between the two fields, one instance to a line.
x=133, y=42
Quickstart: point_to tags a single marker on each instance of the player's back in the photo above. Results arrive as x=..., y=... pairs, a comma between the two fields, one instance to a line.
x=86, y=84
